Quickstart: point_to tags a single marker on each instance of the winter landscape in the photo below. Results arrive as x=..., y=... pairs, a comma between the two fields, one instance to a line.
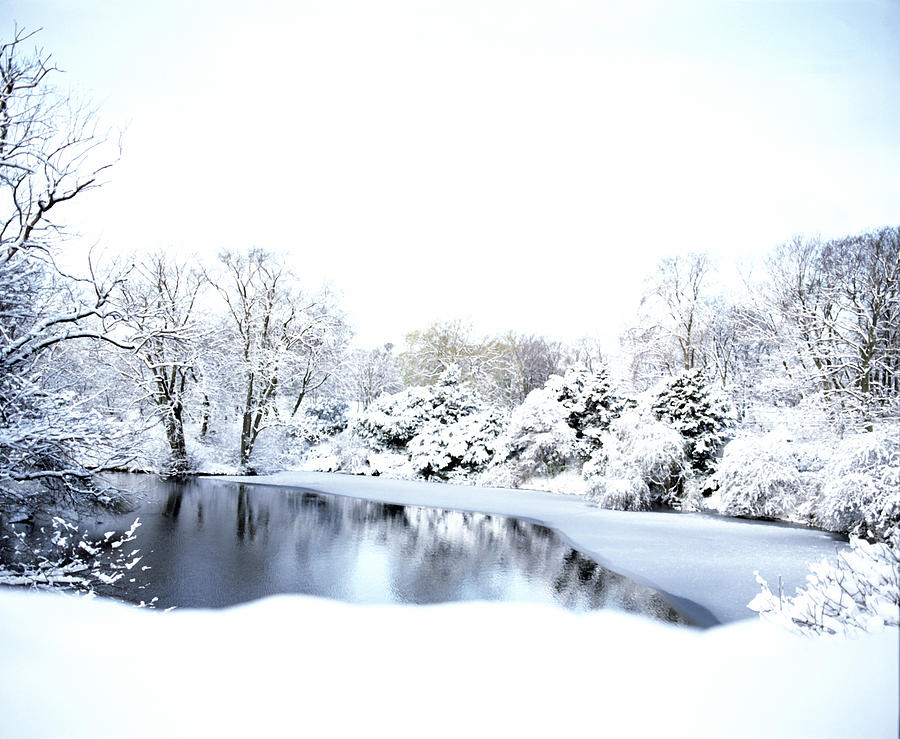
x=383, y=374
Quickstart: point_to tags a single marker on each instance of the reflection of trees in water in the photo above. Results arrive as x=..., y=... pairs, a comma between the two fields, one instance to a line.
x=173, y=501
x=232, y=542
x=582, y=583
x=442, y=549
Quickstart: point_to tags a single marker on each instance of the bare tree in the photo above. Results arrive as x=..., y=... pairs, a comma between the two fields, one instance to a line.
x=158, y=303
x=49, y=147
x=366, y=375
x=431, y=352
x=276, y=339
x=833, y=309
x=671, y=336
x=589, y=352
x=524, y=364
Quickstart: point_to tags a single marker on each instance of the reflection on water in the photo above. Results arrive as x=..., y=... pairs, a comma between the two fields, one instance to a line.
x=211, y=543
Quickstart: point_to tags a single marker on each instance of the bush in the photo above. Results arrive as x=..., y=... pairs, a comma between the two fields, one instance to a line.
x=759, y=478
x=392, y=421
x=859, y=594
x=441, y=430
x=468, y=445
x=345, y=452
x=642, y=461
x=540, y=440
x=621, y=493
x=324, y=418
x=849, y=485
x=861, y=486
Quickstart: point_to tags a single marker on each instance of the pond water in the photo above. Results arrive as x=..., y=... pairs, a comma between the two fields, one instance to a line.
x=211, y=543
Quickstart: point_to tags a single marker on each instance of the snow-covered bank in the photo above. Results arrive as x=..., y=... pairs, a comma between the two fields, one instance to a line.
x=304, y=666
x=705, y=560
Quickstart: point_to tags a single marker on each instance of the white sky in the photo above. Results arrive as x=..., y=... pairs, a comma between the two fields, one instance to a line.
x=521, y=164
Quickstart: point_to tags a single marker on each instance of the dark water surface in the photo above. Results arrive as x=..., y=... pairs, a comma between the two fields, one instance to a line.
x=210, y=543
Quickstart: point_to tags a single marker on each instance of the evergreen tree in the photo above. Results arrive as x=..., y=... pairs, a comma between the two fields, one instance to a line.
x=689, y=403
x=589, y=402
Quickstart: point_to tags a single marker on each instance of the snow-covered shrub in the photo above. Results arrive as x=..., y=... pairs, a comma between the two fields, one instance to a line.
x=642, y=461
x=568, y=482
x=393, y=420
x=758, y=477
x=861, y=486
x=466, y=445
x=326, y=417
x=559, y=425
x=348, y=453
x=861, y=593
x=498, y=475
x=539, y=440
x=628, y=493
x=690, y=404
x=439, y=430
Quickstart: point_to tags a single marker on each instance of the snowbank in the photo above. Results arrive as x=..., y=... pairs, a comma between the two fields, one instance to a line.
x=296, y=665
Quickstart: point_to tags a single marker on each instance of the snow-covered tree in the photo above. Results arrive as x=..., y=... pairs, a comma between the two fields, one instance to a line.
x=832, y=308
x=524, y=363
x=367, y=374
x=759, y=477
x=443, y=428
x=275, y=339
x=589, y=402
x=158, y=304
x=52, y=440
x=860, y=486
x=560, y=424
x=480, y=360
x=467, y=444
x=641, y=462
x=393, y=420
x=670, y=336
x=690, y=404
x=431, y=352
x=539, y=440
x=324, y=418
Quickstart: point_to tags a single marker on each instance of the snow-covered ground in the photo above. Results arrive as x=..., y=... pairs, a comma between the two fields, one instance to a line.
x=295, y=665
x=704, y=560
x=75, y=667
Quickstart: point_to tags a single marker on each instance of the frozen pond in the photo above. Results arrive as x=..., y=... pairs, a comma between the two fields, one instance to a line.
x=213, y=543
x=705, y=564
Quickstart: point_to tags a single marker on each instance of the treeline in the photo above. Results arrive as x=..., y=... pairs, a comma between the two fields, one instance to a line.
x=166, y=363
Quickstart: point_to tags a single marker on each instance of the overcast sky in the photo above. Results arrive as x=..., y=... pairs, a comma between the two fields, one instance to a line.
x=521, y=164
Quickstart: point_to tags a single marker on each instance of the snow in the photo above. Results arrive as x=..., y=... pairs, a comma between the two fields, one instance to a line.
x=707, y=561
x=78, y=667
x=298, y=665
x=860, y=593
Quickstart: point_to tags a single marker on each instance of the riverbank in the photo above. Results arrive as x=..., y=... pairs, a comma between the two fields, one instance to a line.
x=704, y=563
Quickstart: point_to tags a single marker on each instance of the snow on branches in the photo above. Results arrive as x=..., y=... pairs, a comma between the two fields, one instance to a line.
x=442, y=430
x=860, y=593
x=71, y=560
x=49, y=155
x=849, y=485
x=642, y=462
